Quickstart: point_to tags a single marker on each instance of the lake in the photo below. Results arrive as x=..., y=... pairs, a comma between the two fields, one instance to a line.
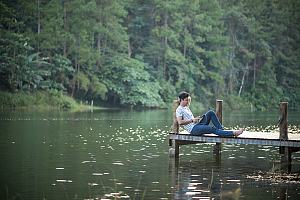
x=123, y=154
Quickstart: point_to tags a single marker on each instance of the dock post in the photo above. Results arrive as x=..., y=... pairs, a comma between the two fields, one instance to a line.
x=175, y=126
x=174, y=149
x=219, y=108
x=286, y=157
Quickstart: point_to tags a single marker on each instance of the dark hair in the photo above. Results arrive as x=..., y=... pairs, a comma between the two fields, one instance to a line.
x=183, y=95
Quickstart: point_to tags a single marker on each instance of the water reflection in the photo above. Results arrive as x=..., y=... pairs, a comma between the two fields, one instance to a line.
x=197, y=180
x=231, y=176
x=124, y=155
x=191, y=180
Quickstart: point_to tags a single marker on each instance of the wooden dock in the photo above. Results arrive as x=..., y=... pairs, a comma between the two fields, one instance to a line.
x=254, y=138
x=287, y=143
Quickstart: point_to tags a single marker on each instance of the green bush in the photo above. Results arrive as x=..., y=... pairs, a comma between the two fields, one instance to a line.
x=52, y=99
x=12, y=100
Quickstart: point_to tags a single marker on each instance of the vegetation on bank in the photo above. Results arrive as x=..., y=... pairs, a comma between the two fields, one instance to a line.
x=143, y=53
x=49, y=100
x=40, y=100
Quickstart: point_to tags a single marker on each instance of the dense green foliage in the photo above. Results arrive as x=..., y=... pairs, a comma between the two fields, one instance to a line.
x=142, y=53
x=40, y=99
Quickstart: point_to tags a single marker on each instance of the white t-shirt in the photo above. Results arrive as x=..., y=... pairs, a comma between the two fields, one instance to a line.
x=185, y=113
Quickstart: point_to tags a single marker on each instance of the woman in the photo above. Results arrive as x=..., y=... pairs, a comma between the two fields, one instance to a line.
x=200, y=125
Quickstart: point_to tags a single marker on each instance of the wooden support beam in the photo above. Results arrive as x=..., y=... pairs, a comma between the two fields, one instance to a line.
x=283, y=131
x=182, y=142
x=175, y=126
x=219, y=112
x=286, y=152
x=174, y=144
x=283, y=124
x=175, y=148
x=286, y=160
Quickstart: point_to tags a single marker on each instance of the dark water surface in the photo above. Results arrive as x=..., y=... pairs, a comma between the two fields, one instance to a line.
x=117, y=154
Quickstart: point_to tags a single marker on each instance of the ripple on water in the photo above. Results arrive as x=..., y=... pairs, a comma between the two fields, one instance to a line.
x=97, y=174
x=63, y=181
x=93, y=184
x=88, y=161
x=118, y=163
x=233, y=181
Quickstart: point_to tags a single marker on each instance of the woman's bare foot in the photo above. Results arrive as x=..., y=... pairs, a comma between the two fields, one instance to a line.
x=239, y=132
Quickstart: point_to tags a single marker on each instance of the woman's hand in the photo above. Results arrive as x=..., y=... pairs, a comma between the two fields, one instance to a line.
x=188, y=121
x=196, y=119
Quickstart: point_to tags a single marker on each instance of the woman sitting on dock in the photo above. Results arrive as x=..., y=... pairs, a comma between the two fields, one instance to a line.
x=200, y=125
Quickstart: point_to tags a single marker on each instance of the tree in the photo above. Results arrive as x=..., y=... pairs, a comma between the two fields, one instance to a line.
x=130, y=84
x=210, y=48
x=14, y=48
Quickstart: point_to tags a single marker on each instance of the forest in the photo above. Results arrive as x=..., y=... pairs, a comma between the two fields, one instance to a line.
x=142, y=53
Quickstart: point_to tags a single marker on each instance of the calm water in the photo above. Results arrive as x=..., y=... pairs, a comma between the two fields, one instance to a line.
x=124, y=155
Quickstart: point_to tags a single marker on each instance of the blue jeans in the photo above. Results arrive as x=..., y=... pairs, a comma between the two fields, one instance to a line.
x=203, y=126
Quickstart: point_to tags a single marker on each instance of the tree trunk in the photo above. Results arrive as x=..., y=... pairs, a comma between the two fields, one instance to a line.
x=78, y=63
x=243, y=79
x=165, y=47
x=99, y=48
x=99, y=43
x=65, y=28
x=231, y=74
x=184, y=47
x=232, y=56
x=74, y=77
x=254, y=73
x=129, y=49
x=78, y=83
x=38, y=27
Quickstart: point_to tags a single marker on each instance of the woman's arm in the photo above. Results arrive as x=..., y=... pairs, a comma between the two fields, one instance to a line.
x=186, y=121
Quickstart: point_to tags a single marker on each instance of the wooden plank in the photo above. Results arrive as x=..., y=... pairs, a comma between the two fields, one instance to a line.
x=239, y=140
x=256, y=134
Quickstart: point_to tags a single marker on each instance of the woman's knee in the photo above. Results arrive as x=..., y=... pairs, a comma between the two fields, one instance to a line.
x=211, y=112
